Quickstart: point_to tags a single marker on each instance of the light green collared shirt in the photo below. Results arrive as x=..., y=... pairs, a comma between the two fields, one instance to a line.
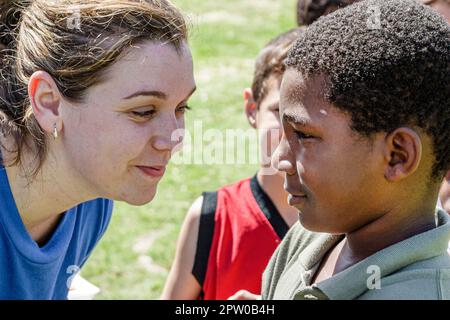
x=415, y=268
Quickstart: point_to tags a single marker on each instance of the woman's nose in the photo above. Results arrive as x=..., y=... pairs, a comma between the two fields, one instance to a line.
x=169, y=136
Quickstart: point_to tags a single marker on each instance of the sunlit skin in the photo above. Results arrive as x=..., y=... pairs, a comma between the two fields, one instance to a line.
x=370, y=190
x=115, y=144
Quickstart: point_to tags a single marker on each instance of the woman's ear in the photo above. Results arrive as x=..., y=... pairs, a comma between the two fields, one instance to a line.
x=45, y=100
x=403, y=153
x=250, y=107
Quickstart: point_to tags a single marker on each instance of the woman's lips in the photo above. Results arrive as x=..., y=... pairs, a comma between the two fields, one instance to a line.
x=154, y=171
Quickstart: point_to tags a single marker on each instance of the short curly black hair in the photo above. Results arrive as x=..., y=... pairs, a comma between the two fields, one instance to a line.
x=386, y=64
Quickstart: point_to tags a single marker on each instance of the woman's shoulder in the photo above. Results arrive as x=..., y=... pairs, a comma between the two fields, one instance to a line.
x=94, y=216
x=101, y=206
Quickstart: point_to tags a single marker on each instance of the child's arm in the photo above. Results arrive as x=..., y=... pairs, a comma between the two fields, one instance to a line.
x=244, y=295
x=181, y=284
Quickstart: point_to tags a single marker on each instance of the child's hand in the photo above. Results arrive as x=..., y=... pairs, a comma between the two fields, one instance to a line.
x=244, y=295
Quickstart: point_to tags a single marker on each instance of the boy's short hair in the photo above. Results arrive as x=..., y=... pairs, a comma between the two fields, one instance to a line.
x=270, y=61
x=386, y=76
x=309, y=11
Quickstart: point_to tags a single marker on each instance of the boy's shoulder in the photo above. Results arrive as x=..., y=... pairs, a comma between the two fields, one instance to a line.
x=428, y=280
x=424, y=279
x=416, y=268
x=300, y=250
x=297, y=239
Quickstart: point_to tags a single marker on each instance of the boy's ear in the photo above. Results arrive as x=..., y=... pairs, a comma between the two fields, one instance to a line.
x=45, y=100
x=403, y=153
x=250, y=107
x=447, y=176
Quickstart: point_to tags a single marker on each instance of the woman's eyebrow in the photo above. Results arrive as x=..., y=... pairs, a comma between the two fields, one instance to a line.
x=153, y=93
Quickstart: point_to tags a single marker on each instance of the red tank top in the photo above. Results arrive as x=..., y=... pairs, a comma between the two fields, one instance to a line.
x=239, y=230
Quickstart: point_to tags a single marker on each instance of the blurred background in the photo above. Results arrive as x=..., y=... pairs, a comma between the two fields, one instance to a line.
x=133, y=258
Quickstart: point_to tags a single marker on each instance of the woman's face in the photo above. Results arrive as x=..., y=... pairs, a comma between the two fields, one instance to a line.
x=120, y=139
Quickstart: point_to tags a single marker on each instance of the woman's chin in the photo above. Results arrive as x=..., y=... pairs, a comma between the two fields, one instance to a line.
x=139, y=198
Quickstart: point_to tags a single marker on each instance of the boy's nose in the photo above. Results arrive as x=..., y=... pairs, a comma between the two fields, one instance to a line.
x=282, y=158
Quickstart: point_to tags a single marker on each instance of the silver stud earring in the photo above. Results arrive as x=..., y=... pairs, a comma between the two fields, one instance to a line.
x=55, y=132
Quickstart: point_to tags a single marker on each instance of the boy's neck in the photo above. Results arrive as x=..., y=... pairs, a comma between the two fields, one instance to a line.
x=366, y=241
x=273, y=186
x=391, y=228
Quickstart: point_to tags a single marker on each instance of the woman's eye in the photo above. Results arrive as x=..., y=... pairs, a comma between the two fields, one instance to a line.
x=143, y=114
x=183, y=109
x=302, y=136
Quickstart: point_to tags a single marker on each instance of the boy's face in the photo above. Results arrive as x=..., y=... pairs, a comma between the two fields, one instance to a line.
x=333, y=175
x=441, y=6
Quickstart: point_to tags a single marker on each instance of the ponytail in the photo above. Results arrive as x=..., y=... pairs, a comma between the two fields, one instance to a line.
x=13, y=94
x=10, y=13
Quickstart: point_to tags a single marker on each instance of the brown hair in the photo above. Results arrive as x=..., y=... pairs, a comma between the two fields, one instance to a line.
x=309, y=11
x=270, y=62
x=74, y=41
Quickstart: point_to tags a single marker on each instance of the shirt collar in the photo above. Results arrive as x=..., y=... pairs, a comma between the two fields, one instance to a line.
x=352, y=282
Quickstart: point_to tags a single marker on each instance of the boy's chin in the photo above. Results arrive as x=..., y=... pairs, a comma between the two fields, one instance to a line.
x=311, y=222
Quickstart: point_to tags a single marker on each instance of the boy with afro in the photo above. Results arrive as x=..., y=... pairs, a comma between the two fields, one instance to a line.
x=364, y=104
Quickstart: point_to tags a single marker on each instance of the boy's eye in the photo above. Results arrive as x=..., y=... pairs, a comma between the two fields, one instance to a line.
x=302, y=136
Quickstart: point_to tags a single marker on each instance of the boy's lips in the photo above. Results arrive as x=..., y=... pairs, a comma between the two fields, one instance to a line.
x=296, y=201
x=295, y=198
x=294, y=193
x=153, y=171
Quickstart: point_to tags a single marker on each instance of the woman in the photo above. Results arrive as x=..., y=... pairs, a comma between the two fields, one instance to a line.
x=92, y=94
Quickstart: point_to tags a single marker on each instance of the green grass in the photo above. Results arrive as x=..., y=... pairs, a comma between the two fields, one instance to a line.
x=225, y=39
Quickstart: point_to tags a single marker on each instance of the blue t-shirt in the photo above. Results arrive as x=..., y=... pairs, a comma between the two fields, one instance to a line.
x=28, y=271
